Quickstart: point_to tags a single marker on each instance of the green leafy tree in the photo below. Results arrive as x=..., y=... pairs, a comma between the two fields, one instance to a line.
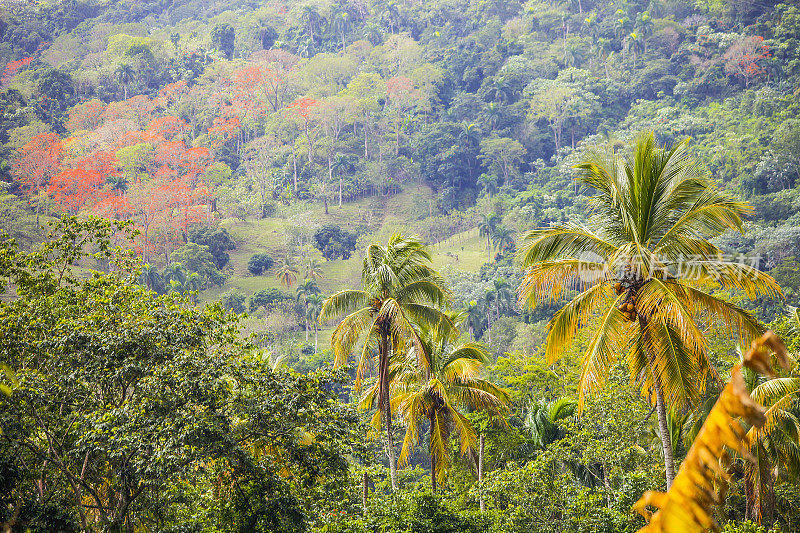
x=259, y=263
x=651, y=212
x=222, y=38
x=218, y=240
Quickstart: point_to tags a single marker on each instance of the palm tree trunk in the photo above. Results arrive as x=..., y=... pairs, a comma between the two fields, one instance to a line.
x=480, y=474
x=383, y=376
x=433, y=455
x=316, y=339
x=666, y=441
x=661, y=411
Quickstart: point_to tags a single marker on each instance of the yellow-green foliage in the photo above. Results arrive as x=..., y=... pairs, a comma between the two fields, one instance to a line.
x=702, y=480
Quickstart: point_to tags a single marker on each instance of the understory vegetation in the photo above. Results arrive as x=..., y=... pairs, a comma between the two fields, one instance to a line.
x=345, y=266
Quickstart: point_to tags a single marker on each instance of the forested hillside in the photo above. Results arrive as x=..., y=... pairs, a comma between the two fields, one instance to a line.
x=485, y=264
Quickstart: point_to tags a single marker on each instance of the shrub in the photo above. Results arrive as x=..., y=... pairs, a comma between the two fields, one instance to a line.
x=233, y=301
x=259, y=263
x=267, y=298
x=218, y=241
x=334, y=242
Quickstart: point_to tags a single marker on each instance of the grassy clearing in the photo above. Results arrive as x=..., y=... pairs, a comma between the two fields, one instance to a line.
x=379, y=216
x=465, y=251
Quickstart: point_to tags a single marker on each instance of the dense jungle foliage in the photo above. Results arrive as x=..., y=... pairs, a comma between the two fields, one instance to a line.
x=389, y=266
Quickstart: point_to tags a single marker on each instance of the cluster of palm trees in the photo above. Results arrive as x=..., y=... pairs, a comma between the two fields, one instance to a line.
x=630, y=289
x=288, y=270
x=174, y=279
x=309, y=294
x=497, y=236
x=408, y=345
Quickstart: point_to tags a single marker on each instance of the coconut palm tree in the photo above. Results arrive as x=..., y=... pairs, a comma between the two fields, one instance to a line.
x=286, y=273
x=305, y=290
x=487, y=227
x=176, y=286
x=636, y=288
x=399, y=288
x=438, y=391
x=542, y=420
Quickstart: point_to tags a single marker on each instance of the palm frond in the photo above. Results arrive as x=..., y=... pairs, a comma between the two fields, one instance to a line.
x=561, y=242
x=601, y=353
x=687, y=507
x=548, y=280
x=574, y=316
x=348, y=332
x=342, y=303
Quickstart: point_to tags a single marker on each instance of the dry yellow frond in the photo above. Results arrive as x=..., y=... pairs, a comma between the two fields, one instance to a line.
x=687, y=507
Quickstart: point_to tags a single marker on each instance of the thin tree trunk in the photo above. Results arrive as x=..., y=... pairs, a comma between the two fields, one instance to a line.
x=480, y=474
x=489, y=324
x=433, y=455
x=316, y=340
x=364, y=493
x=607, y=485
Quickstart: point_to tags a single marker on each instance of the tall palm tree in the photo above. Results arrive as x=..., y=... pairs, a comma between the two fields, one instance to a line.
x=474, y=318
x=399, y=288
x=488, y=182
x=313, y=269
x=637, y=291
x=193, y=284
x=305, y=290
x=341, y=163
x=286, y=273
x=311, y=18
x=125, y=74
x=502, y=295
x=487, y=227
x=313, y=309
x=438, y=391
x=503, y=238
